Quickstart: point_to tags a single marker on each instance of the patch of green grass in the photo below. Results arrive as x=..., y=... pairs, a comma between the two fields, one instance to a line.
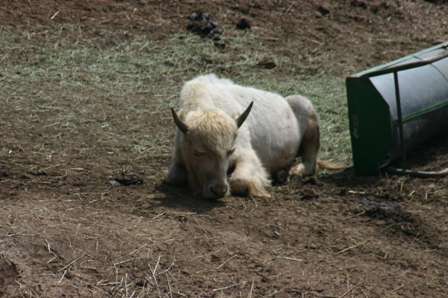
x=65, y=91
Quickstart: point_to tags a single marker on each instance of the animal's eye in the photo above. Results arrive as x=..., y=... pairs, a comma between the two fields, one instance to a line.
x=198, y=153
x=230, y=152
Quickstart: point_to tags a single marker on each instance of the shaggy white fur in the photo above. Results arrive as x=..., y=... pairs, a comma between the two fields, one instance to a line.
x=268, y=142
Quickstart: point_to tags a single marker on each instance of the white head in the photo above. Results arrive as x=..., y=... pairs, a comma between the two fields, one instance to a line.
x=207, y=143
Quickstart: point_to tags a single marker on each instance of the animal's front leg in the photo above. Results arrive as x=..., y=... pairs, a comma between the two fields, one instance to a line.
x=248, y=187
x=249, y=177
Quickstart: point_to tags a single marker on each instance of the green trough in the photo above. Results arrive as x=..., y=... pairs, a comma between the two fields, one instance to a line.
x=395, y=107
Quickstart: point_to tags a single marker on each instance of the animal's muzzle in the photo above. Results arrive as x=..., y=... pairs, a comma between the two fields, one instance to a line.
x=219, y=190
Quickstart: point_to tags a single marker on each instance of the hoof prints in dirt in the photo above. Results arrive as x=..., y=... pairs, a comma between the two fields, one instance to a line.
x=8, y=273
x=399, y=221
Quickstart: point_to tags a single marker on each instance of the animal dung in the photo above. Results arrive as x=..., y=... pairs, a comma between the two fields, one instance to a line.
x=203, y=25
x=243, y=24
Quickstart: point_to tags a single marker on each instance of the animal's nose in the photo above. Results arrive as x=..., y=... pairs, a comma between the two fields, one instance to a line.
x=219, y=190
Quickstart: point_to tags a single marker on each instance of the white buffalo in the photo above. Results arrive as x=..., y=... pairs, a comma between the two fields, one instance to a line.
x=235, y=139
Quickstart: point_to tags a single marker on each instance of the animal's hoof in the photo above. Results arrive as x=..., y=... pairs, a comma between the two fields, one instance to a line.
x=297, y=170
x=301, y=171
x=241, y=187
x=260, y=194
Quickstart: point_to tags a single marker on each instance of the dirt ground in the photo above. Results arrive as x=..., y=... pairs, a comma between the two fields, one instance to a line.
x=69, y=228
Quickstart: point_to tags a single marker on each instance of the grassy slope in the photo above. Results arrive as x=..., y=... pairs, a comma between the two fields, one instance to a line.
x=116, y=92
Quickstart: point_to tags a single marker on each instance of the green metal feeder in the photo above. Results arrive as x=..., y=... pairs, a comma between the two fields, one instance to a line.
x=397, y=106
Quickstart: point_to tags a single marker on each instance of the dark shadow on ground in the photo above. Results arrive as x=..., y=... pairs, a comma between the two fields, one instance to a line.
x=430, y=155
x=348, y=178
x=181, y=198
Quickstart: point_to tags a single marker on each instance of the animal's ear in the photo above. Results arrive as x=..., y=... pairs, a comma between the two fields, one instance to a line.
x=182, y=126
x=244, y=115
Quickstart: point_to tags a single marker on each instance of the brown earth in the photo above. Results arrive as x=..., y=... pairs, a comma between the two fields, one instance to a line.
x=65, y=231
x=346, y=35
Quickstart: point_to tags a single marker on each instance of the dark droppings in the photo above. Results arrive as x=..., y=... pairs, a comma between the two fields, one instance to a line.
x=243, y=24
x=205, y=26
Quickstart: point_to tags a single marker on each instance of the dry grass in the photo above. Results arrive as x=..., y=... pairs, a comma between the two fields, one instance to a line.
x=76, y=111
x=69, y=99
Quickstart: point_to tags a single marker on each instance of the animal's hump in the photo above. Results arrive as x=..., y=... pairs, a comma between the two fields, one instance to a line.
x=198, y=91
x=212, y=78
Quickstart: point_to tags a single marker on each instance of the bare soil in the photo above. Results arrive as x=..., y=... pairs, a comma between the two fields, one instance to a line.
x=103, y=223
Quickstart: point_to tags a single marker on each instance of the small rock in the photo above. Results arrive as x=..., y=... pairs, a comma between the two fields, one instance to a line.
x=275, y=235
x=157, y=196
x=243, y=24
x=323, y=11
x=308, y=195
x=359, y=3
x=267, y=63
x=214, y=258
x=142, y=2
x=114, y=183
x=125, y=181
x=38, y=172
x=219, y=44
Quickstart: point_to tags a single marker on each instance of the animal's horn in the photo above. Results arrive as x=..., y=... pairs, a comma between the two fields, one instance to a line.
x=244, y=115
x=182, y=126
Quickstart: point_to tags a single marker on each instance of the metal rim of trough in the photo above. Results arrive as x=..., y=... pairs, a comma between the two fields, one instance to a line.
x=395, y=70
